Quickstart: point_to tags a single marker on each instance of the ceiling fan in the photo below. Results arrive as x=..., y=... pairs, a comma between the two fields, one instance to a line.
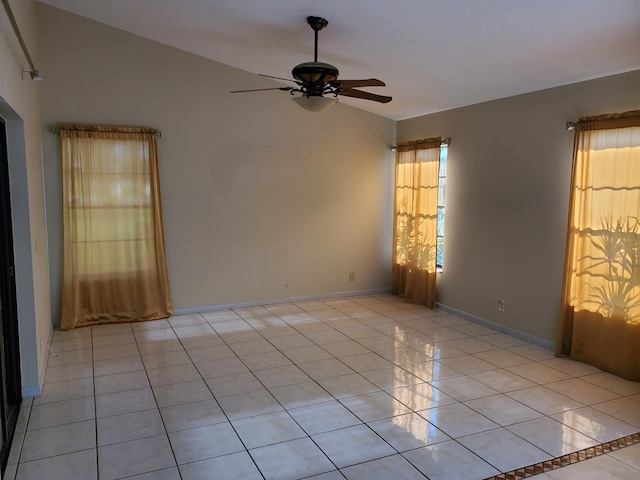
x=315, y=79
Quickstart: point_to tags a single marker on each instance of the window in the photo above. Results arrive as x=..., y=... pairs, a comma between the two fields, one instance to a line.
x=110, y=206
x=442, y=177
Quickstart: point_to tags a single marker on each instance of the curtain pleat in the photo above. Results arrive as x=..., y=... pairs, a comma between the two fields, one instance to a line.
x=114, y=255
x=415, y=221
x=600, y=318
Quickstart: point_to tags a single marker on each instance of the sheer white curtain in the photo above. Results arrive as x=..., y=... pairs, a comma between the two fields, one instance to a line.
x=114, y=256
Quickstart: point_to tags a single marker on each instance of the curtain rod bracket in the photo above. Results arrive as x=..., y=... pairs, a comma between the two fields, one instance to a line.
x=570, y=126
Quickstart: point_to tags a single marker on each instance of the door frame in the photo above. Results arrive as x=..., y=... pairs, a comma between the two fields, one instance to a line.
x=10, y=375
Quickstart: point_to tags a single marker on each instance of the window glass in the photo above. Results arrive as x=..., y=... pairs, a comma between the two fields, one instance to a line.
x=442, y=174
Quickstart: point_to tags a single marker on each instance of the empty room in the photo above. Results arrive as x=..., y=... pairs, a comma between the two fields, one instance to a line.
x=320, y=240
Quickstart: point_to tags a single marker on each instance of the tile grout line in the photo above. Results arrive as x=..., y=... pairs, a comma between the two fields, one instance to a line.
x=204, y=380
x=166, y=432
x=563, y=460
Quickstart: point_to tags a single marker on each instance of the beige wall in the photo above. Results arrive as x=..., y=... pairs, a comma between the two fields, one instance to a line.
x=19, y=106
x=261, y=199
x=507, y=198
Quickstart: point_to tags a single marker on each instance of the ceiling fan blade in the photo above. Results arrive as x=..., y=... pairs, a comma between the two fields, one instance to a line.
x=278, y=78
x=364, y=95
x=285, y=89
x=370, y=82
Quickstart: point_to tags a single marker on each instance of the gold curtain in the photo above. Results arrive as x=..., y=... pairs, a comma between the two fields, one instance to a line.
x=600, y=320
x=114, y=256
x=415, y=215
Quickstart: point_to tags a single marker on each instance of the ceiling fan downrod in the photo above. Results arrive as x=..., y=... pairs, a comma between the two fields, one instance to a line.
x=315, y=77
x=317, y=24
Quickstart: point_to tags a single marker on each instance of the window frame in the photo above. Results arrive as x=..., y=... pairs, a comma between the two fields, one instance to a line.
x=443, y=160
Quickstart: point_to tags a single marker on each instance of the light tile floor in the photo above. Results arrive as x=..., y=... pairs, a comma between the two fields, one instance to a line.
x=362, y=387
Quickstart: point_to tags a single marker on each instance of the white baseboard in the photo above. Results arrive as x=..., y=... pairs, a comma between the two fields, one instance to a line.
x=499, y=327
x=228, y=306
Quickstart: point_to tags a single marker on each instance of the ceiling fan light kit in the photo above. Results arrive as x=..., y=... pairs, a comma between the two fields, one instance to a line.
x=317, y=79
x=315, y=103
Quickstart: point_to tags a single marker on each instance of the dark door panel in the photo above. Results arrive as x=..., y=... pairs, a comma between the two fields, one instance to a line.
x=10, y=384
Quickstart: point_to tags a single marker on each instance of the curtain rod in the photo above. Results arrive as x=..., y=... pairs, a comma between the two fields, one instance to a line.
x=35, y=74
x=444, y=143
x=57, y=130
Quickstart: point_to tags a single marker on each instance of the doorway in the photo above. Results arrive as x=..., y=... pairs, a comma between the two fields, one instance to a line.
x=10, y=382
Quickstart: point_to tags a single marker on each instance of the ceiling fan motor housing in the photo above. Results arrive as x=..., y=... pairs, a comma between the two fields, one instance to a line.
x=315, y=76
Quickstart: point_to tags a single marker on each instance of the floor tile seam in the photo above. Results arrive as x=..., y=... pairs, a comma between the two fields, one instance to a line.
x=98, y=375
x=427, y=446
x=379, y=355
x=288, y=347
x=57, y=354
x=22, y=462
x=54, y=425
x=556, y=421
x=311, y=361
x=505, y=391
x=380, y=458
x=570, y=458
x=541, y=412
x=497, y=425
x=583, y=404
x=311, y=437
x=595, y=406
x=145, y=437
x=498, y=366
x=98, y=418
x=247, y=449
x=24, y=436
x=512, y=433
x=94, y=419
x=484, y=460
x=635, y=392
x=544, y=385
x=579, y=377
x=565, y=357
x=249, y=452
x=95, y=402
x=229, y=420
x=341, y=401
x=356, y=372
x=155, y=399
x=510, y=424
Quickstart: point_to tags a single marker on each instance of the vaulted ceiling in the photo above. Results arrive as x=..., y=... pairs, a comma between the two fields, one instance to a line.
x=433, y=54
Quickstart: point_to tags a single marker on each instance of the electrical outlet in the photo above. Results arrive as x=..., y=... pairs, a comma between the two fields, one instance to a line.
x=352, y=276
x=501, y=305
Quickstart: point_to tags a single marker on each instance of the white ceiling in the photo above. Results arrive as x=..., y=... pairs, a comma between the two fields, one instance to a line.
x=433, y=54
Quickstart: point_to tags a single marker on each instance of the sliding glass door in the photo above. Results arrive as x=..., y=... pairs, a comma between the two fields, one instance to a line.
x=10, y=384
